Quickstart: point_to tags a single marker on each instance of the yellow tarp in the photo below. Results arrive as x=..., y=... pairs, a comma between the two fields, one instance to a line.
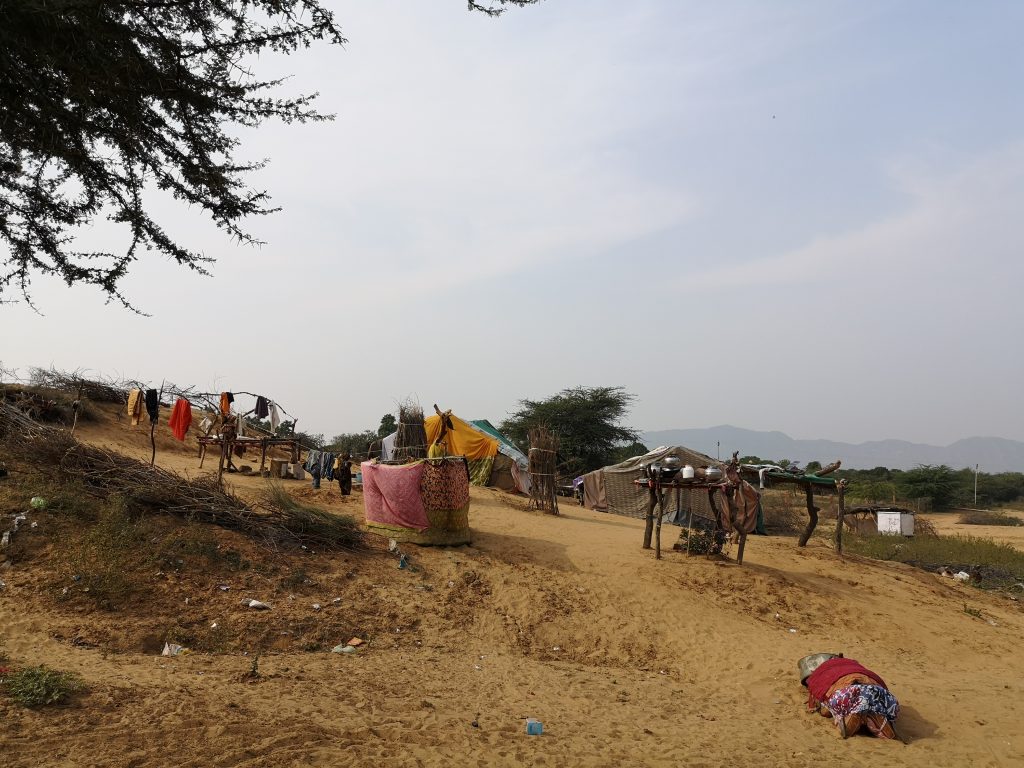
x=462, y=439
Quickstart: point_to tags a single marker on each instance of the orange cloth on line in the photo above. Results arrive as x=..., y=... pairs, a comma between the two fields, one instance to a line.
x=181, y=418
x=225, y=403
x=135, y=405
x=461, y=439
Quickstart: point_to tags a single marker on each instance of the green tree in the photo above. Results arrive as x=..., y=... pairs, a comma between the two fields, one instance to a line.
x=388, y=424
x=628, y=452
x=935, y=482
x=586, y=420
x=105, y=102
x=354, y=443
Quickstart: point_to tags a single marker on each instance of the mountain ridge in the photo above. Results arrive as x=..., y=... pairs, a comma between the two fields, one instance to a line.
x=992, y=454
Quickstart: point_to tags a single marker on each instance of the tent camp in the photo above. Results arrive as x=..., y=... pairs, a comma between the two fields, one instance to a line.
x=612, y=489
x=511, y=466
x=493, y=459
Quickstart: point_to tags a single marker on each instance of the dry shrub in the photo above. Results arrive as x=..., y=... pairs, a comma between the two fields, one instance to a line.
x=988, y=517
x=781, y=514
x=105, y=475
x=923, y=527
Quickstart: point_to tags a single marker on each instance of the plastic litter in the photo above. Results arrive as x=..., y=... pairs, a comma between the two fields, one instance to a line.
x=534, y=727
x=173, y=649
x=343, y=649
x=962, y=576
x=37, y=502
x=316, y=606
x=256, y=605
x=403, y=562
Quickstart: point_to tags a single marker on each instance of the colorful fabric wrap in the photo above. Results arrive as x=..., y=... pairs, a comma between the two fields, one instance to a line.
x=392, y=496
x=858, y=699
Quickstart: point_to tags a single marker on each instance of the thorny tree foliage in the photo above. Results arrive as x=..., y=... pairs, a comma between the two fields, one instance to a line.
x=103, y=100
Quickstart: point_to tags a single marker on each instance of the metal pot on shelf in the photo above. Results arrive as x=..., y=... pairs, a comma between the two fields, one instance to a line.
x=713, y=474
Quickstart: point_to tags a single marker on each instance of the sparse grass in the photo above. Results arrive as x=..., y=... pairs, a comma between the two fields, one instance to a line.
x=340, y=530
x=39, y=686
x=100, y=562
x=985, y=517
x=999, y=565
x=297, y=578
x=973, y=612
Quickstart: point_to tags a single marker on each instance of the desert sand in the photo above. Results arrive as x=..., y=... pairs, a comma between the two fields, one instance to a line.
x=626, y=660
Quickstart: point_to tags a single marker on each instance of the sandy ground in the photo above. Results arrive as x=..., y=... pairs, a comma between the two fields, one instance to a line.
x=626, y=660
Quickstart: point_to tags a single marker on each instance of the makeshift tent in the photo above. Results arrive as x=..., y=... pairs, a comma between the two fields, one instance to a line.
x=612, y=489
x=424, y=502
x=511, y=466
x=493, y=459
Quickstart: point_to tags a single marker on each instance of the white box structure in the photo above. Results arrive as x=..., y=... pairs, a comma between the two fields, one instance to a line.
x=896, y=523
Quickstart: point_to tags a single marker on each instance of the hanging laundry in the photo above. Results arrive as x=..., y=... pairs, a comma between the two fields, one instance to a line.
x=312, y=460
x=226, y=399
x=275, y=417
x=152, y=405
x=327, y=465
x=181, y=418
x=262, y=408
x=205, y=424
x=135, y=402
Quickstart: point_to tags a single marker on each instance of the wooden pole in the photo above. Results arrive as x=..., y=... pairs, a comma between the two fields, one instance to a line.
x=220, y=465
x=841, y=486
x=263, y=455
x=649, y=525
x=739, y=551
x=657, y=533
x=812, y=513
x=689, y=522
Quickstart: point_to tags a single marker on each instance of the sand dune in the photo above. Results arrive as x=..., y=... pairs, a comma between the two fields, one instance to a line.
x=626, y=660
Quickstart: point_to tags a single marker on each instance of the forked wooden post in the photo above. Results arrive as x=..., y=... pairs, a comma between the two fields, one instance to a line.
x=812, y=513
x=649, y=522
x=841, y=486
x=657, y=533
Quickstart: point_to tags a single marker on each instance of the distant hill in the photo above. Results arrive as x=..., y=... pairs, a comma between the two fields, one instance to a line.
x=993, y=454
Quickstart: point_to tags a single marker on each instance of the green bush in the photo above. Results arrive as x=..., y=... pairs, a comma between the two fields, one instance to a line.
x=39, y=686
x=982, y=517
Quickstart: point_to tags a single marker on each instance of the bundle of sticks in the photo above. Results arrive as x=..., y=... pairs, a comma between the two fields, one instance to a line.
x=97, y=390
x=543, y=458
x=411, y=440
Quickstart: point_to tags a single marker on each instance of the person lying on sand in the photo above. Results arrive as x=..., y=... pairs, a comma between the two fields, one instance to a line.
x=854, y=696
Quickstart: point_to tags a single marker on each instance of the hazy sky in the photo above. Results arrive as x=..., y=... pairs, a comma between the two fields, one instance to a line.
x=803, y=216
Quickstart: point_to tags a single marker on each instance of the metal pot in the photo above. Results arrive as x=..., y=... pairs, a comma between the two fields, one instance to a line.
x=712, y=474
x=808, y=664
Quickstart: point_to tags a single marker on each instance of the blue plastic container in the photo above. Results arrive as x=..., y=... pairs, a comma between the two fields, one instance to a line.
x=534, y=727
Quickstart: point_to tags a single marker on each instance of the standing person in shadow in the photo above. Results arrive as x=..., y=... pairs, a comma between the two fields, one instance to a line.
x=343, y=473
